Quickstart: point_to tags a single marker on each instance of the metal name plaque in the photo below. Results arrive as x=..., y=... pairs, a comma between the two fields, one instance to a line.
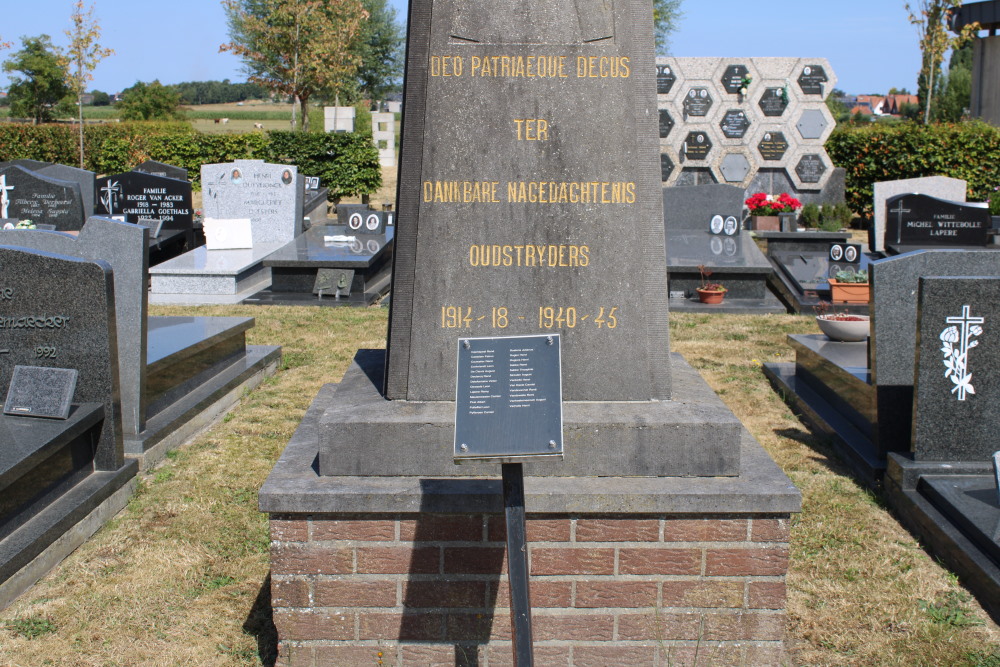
x=37, y=391
x=508, y=402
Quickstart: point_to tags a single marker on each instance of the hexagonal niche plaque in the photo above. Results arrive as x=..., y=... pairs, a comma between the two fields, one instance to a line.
x=772, y=145
x=697, y=102
x=734, y=124
x=810, y=168
x=734, y=167
x=697, y=146
x=665, y=79
x=773, y=102
x=666, y=167
x=811, y=80
x=666, y=123
x=732, y=78
x=812, y=124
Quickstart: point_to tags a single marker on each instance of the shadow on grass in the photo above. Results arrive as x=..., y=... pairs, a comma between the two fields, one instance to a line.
x=260, y=624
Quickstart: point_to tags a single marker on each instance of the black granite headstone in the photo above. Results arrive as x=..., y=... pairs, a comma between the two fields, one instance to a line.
x=924, y=221
x=161, y=169
x=697, y=146
x=138, y=196
x=86, y=179
x=28, y=195
x=956, y=405
x=58, y=312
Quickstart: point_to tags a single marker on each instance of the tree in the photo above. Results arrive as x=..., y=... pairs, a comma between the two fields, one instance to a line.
x=931, y=18
x=835, y=103
x=101, y=98
x=955, y=92
x=152, y=101
x=296, y=47
x=380, y=50
x=84, y=54
x=38, y=94
x=666, y=15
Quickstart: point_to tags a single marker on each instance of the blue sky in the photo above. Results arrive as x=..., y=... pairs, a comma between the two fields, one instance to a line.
x=870, y=44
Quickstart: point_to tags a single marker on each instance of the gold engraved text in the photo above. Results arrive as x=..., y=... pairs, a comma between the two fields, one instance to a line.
x=529, y=255
x=461, y=192
x=574, y=192
x=602, y=67
x=532, y=129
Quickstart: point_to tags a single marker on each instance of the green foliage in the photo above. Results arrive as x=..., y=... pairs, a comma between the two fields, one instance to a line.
x=852, y=276
x=835, y=217
x=31, y=627
x=149, y=101
x=40, y=94
x=347, y=163
x=906, y=150
x=218, y=92
x=101, y=98
x=380, y=50
x=954, y=95
x=666, y=15
x=951, y=609
x=810, y=215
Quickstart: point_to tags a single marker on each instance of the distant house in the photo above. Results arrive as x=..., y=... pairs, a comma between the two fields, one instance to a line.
x=876, y=105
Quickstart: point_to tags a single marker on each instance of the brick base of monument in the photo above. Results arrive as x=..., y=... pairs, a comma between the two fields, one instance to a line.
x=611, y=589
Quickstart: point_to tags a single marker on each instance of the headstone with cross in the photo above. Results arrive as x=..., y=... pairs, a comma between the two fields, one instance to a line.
x=920, y=221
x=28, y=195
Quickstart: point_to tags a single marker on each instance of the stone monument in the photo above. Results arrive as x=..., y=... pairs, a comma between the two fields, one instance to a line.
x=528, y=179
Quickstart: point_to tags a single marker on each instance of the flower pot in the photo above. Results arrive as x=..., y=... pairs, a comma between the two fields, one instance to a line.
x=711, y=295
x=848, y=331
x=848, y=292
x=765, y=223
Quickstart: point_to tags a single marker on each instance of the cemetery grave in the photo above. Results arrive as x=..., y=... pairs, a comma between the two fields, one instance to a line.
x=60, y=475
x=804, y=263
x=528, y=242
x=173, y=371
x=269, y=196
x=703, y=226
x=136, y=196
x=30, y=195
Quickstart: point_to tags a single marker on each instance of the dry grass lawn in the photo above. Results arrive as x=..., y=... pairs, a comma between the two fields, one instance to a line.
x=180, y=576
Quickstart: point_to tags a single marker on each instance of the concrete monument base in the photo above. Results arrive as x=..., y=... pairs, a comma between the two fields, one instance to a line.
x=625, y=570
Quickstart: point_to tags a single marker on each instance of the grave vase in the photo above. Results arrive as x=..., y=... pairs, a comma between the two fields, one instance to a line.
x=788, y=222
x=848, y=292
x=765, y=223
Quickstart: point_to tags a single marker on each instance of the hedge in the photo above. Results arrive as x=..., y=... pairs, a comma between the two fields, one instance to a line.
x=347, y=163
x=970, y=151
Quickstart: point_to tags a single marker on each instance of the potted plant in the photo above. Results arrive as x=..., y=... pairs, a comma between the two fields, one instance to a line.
x=709, y=292
x=842, y=327
x=849, y=287
x=765, y=210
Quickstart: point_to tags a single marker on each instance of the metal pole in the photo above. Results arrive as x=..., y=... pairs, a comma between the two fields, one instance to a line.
x=517, y=564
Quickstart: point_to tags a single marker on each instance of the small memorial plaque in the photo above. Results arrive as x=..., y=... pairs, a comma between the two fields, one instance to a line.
x=508, y=403
x=40, y=392
x=665, y=79
x=697, y=102
x=666, y=123
x=773, y=102
x=810, y=168
x=697, y=146
x=731, y=226
x=154, y=227
x=717, y=224
x=734, y=124
x=812, y=79
x=732, y=78
x=666, y=167
x=773, y=145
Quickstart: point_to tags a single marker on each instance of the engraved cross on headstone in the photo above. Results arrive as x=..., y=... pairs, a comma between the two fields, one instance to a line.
x=109, y=197
x=899, y=220
x=4, y=198
x=965, y=320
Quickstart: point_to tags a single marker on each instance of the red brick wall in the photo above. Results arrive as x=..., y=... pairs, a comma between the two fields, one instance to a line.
x=431, y=590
